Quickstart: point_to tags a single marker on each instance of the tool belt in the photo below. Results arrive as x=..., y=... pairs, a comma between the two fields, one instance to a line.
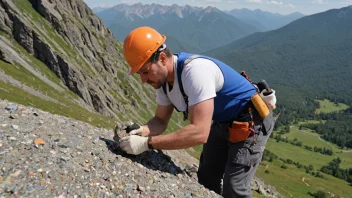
x=243, y=126
x=240, y=131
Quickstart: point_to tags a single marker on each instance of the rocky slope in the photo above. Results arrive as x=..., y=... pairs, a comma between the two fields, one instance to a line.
x=64, y=47
x=43, y=154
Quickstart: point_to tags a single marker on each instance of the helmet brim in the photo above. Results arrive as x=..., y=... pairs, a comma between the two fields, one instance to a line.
x=136, y=69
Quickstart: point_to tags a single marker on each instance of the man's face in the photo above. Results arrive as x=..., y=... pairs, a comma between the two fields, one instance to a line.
x=153, y=73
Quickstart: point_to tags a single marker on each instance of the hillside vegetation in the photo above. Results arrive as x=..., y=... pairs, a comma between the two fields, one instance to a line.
x=58, y=56
x=310, y=58
x=327, y=106
x=264, y=20
x=300, y=169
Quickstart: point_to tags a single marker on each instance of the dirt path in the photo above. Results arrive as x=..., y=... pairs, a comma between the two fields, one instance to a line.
x=303, y=180
x=317, y=135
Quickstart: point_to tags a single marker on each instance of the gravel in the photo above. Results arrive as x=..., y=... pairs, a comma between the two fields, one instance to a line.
x=47, y=155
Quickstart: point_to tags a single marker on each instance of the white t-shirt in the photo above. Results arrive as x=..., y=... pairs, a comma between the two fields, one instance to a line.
x=201, y=79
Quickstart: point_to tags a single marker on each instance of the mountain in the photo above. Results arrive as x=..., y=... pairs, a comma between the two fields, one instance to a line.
x=59, y=56
x=123, y=18
x=213, y=27
x=264, y=21
x=207, y=29
x=99, y=9
x=132, y=15
x=310, y=57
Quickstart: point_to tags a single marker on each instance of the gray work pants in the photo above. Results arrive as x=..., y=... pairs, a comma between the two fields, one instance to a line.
x=234, y=163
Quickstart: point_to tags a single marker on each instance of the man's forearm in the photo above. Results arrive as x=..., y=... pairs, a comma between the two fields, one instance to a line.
x=155, y=126
x=185, y=137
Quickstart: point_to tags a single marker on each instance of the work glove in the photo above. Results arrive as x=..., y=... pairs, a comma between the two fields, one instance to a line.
x=269, y=98
x=134, y=144
x=134, y=129
x=126, y=128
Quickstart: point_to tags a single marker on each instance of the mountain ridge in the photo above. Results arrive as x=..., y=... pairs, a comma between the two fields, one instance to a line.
x=175, y=21
x=296, y=55
x=268, y=20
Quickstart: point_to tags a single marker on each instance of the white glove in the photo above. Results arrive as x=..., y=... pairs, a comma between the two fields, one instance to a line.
x=137, y=131
x=134, y=144
x=270, y=100
x=134, y=129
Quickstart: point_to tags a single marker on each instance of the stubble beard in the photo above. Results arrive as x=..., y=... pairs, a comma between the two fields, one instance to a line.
x=157, y=85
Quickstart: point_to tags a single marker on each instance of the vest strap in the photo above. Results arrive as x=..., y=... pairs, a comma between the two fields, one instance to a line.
x=180, y=84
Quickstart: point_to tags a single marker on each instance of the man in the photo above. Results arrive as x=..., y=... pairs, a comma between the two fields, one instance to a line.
x=215, y=96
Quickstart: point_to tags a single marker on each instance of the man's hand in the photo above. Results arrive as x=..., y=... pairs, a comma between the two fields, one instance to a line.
x=134, y=144
x=134, y=129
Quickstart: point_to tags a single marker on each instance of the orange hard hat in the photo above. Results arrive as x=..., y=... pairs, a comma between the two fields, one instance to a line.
x=139, y=46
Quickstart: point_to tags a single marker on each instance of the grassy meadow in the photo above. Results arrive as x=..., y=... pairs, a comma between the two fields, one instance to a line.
x=327, y=106
x=295, y=182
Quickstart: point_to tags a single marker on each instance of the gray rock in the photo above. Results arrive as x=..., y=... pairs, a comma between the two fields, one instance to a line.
x=11, y=107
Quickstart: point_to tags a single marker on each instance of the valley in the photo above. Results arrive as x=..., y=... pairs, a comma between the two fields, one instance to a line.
x=296, y=182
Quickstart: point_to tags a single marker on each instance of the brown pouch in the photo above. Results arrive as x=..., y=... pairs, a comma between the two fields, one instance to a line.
x=239, y=131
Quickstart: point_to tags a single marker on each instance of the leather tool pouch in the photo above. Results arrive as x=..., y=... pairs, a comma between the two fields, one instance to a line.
x=239, y=131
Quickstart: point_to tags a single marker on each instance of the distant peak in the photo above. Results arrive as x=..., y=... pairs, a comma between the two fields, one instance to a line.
x=344, y=12
x=175, y=6
x=245, y=9
x=210, y=9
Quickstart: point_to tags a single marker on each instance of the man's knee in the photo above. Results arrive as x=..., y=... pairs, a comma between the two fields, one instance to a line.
x=238, y=183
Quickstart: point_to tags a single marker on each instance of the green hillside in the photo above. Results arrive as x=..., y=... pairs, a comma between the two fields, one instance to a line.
x=328, y=107
x=294, y=182
x=299, y=168
x=308, y=58
x=290, y=182
x=48, y=61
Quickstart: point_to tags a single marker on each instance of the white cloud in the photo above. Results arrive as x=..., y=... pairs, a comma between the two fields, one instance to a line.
x=254, y=1
x=281, y=4
x=291, y=6
x=319, y=1
x=275, y=2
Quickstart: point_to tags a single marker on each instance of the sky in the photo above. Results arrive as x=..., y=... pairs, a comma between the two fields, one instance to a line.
x=284, y=7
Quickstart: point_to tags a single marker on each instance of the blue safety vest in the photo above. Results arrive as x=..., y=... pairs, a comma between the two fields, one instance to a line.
x=230, y=99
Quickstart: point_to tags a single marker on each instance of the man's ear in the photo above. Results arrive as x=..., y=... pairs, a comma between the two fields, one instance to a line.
x=163, y=58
